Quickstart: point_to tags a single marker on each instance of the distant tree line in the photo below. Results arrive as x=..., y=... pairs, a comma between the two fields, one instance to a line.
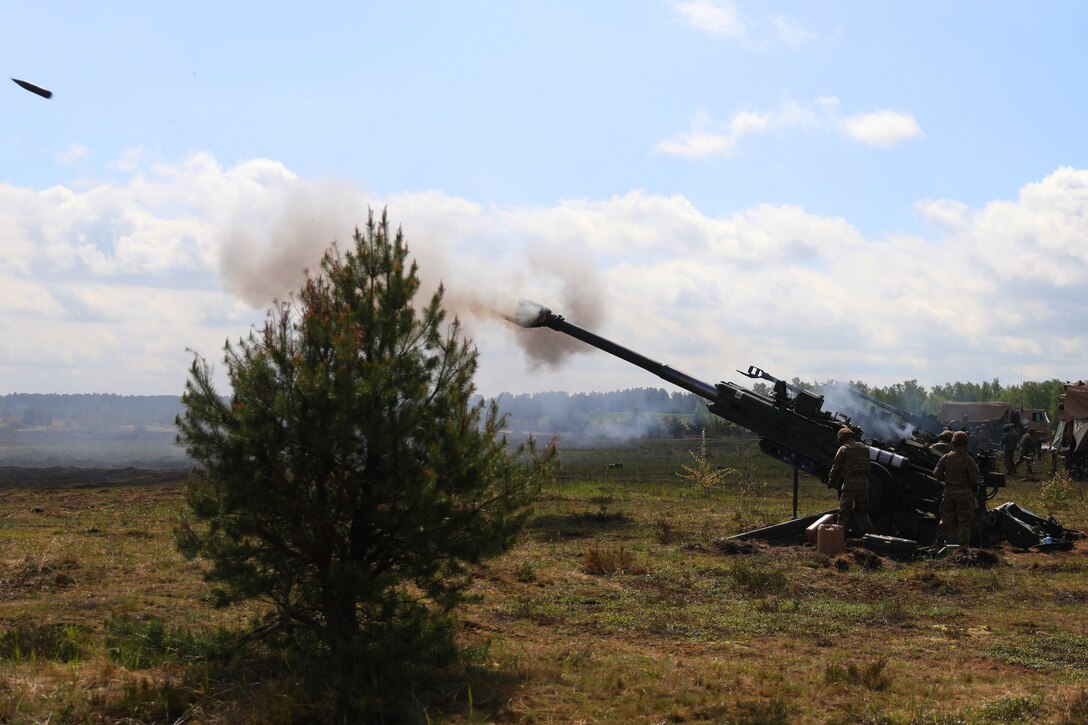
x=90, y=411
x=909, y=395
x=656, y=412
x=632, y=412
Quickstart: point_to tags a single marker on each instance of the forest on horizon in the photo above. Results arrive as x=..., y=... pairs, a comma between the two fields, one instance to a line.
x=135, y=429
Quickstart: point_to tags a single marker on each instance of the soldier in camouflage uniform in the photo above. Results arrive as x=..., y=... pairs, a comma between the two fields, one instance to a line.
x=1008, y=442
x=982, y=439
x=960, y=475
x=852, y=464
x=1030, y=445
x=944, y=445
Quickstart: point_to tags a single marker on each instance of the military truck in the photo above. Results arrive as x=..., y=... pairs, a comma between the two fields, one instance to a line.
x=1036, y=419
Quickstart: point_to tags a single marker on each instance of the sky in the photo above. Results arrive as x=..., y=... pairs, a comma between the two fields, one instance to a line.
x=849, y=190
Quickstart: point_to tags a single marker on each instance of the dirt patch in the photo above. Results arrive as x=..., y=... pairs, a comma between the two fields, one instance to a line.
x=862, y=558
x=933, y=583
x=975, y=558
x=1071, y=596
x=34, y=576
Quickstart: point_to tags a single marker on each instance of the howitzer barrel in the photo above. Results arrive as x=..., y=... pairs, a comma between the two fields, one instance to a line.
x=543, y=317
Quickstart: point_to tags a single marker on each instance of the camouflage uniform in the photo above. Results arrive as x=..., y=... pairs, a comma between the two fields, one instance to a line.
x=940, y=448
x=943, y=445
x=1008, y=442
x=1029, y=449
x=960, y=475
x=852, y=463
x=982, y=439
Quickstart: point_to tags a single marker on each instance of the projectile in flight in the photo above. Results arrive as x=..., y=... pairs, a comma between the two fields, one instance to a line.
x=34, y=89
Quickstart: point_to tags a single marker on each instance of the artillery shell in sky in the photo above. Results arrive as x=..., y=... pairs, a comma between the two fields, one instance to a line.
x=34, y=89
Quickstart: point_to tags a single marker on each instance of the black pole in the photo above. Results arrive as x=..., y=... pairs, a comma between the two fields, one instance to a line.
x=795, y=492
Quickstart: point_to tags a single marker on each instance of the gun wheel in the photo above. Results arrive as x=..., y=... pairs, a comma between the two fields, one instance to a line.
x=880, y=484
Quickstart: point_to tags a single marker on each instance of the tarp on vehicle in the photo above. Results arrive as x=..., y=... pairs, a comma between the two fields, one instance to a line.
x=1080, y=435
x=976, y=412
x=1073, y=403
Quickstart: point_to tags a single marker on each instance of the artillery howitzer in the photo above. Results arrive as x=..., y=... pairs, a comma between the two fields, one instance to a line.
x=904, y=497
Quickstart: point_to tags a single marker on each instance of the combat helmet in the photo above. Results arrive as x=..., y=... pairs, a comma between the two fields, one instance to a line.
x=844, y=436
x=947, y=437
x=959, y=438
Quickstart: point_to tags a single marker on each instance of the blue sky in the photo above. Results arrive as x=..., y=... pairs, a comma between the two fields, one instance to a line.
x=875, y=191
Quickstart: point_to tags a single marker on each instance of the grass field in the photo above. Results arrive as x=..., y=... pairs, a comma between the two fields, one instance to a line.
x=621, y=604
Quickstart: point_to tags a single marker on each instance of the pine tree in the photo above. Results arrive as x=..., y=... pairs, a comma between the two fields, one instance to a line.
x=350, y=481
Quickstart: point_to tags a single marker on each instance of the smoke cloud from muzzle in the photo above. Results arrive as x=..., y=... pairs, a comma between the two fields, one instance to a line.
x=485, y=264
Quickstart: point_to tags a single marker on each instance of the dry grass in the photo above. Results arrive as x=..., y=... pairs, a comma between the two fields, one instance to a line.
x=619, y=605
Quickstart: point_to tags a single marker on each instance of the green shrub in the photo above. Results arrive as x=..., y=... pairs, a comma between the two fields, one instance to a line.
x=759, y=579
x=604, y=560
x=32, y=641
x=871, y=676
x=139, y=643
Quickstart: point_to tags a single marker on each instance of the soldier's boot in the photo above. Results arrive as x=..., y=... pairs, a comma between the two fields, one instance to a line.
x=866, y=524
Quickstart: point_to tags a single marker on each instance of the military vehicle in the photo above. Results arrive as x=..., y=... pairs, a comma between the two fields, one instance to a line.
x=1070, y=443
x=904, y=497
x=1036, y=419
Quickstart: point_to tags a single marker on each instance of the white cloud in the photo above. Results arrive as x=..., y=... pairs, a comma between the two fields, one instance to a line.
x=706, y=138
x=130, y=160
x=105, y=287
x=72, y=154
x=723, y=19
x=746, y=122
x=801, y=294
x=945, y=212
x=883, y=128
x=699, y=142
x=716, y=18
x=696, y=144
x=790, y=32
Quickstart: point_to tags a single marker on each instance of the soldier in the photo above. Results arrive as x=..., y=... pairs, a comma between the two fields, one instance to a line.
x=960, y=475
x=944, y=444
x=982, y=439
x=852, y=464
x=1008, y=442
x=1029, y=448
